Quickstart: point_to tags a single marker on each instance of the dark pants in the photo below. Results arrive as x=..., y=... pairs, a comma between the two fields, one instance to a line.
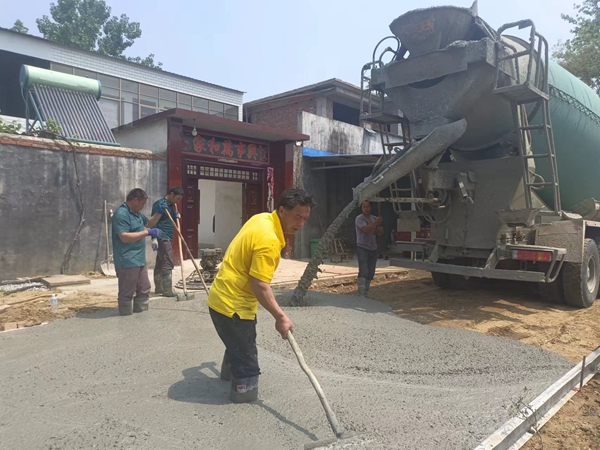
x=239, y=337
x=133, y=282
x=164, y=255
x=367, y=261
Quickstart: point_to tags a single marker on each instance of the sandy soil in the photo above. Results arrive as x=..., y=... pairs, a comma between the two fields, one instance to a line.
x=26, y=309
x=517, y=312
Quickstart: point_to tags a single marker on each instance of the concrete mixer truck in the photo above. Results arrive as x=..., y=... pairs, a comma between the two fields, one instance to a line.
x=502, y=147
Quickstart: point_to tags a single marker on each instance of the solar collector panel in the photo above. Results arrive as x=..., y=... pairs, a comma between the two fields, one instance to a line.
x=77, y=113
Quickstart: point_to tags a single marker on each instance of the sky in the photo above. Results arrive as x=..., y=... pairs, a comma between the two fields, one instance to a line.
x=265, y=47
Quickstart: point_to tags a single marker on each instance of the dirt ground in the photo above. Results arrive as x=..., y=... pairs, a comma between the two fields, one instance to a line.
x=26, y=309
x=514, y=311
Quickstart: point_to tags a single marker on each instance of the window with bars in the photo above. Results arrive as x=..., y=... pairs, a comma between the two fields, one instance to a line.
x=124, y=101
x=191, y=170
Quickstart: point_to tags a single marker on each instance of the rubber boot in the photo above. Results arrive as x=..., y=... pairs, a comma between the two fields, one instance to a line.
x=158, y=282
x=362, y=286
x=367, y=287
x=140, y=304
x=225, y=368
x=126, y=309
x=244, y=390
x=167, y=284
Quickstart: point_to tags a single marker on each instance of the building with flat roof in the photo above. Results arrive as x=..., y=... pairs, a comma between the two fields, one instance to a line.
x=130, y=91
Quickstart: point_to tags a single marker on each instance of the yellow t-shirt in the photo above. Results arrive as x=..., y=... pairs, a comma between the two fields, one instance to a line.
x=255, y=251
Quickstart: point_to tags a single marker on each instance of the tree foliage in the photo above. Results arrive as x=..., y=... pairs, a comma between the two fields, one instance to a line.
x=88, y=25
x=19, y=27
x=580, y=55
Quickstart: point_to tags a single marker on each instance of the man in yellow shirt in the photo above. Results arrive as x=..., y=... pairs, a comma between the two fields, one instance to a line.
x=243, y=282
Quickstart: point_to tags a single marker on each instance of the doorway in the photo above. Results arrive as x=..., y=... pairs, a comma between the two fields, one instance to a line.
x=219, y=200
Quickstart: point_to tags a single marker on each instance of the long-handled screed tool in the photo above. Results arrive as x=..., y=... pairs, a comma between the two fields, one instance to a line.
x=340, y=434
x=182, y=240
x=107, y=266
x=186, y=295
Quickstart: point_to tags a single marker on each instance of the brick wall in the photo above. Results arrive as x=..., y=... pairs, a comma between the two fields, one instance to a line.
x=77, y=147
x=41, y=208
x=284, y=117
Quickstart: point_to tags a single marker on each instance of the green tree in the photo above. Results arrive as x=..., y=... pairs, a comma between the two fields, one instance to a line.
x=147, y=61
x=88, y=25
x=19, y=27
x=580, y=55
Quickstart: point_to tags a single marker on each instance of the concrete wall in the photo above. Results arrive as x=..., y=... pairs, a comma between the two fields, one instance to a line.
x=62, y=54
x=338, y=137
x=228, y=217
x=285, y=116
x=39, y=201
x=206, y=235
x=151, y=137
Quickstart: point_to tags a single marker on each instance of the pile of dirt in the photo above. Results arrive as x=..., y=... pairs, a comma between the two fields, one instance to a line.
x=27, y=309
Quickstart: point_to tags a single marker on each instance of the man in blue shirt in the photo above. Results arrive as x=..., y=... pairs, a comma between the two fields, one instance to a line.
x=163, y=280
x=129, y=228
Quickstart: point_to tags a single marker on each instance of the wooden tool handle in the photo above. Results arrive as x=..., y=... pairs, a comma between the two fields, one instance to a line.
x=180, y=251
x=106, y=228
x=189, y=252
x=335, y=426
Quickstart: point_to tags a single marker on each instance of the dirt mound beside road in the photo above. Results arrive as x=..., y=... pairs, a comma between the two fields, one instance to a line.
x=26, y=309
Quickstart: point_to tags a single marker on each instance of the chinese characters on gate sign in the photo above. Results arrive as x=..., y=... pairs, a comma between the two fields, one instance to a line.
x=219, y=147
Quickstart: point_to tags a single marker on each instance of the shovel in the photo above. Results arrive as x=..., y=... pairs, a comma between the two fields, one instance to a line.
x=181, y=239
x=107, y=266
x=340, y=434
x=185, y=295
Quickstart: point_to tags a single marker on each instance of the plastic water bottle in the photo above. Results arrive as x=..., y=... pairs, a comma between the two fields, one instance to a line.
x=54, y=303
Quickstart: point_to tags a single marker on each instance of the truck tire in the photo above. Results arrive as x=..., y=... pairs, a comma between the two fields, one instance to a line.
x=450, y=281
x=552, y=292
x=581, y=281
x=441, y=280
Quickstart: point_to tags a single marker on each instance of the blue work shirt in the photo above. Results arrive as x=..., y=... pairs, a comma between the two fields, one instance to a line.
x=131, y=254
x=164, y=224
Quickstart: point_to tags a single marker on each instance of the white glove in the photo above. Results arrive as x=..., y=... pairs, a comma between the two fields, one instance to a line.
x=155, y=244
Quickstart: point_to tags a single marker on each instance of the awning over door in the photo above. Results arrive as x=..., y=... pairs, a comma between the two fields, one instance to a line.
x=321, y=160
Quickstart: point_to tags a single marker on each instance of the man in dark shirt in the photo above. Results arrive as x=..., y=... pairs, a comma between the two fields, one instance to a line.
x=163, y=280
x=129, y=228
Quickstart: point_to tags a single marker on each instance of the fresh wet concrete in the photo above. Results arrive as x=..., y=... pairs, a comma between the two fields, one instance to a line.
x=151, y=381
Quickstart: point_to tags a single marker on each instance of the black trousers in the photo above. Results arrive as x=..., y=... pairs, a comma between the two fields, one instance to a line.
x=367, y=262
x=239, y=337
x=164, y=255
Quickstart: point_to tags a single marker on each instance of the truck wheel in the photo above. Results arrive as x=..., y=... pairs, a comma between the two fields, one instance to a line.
x=581, y=281
x=552, y=292
x=441, y=280
x=450, y=281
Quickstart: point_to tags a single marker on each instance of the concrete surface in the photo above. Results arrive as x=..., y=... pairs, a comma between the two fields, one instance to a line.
x=150, y=381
